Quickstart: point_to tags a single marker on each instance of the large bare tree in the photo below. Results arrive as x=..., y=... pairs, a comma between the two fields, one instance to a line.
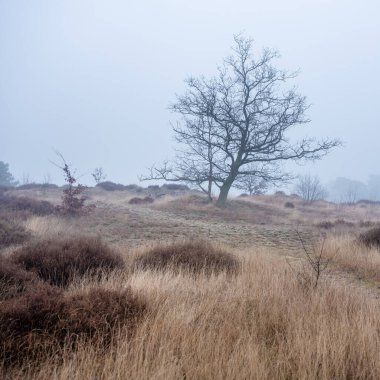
x=237, y=120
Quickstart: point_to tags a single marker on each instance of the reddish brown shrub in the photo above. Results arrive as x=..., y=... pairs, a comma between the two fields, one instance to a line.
x=141, y=201
x=97, y=313
x=59, y=261
x=193, y=257
x=370, y=238
x=44, y=320
x=13, y=279
x=11, y=233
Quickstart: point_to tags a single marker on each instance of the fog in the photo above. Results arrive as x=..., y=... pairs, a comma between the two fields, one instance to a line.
x=93, y=79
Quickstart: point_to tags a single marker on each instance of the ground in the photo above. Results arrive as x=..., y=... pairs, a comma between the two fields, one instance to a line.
x=234, y=328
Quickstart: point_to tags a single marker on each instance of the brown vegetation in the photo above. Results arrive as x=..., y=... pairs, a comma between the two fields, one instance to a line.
x=24, y=206
x=59, y=261
x=11, y=233
x=192, y=257
x=13, y=279
x=44, y=320
x=371, y=238
x=141, y=201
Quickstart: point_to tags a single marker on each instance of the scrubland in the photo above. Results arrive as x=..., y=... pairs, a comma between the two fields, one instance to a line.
x=179, y=289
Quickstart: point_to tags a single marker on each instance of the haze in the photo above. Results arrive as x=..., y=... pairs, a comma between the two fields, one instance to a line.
x=93, y=79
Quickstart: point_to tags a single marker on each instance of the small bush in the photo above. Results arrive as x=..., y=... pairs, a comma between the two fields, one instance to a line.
x=193, y=257
x=44, y=320
x=13, y=279
x=141, y=201
x=59, y=261
x=25, y=205
x=326, y=225
x=343, y=223
x=111, y=186
x=289, y=205
x=11, y=233
x=136, y=188
x=370, y=238
x=175, y=186
x=153, y=187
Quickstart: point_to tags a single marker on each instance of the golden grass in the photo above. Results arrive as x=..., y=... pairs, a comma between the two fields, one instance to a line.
x=258, y=325
x=261, y=324
x=350, y=256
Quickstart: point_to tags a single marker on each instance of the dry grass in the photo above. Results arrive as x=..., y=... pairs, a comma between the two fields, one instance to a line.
x=259, y=325
x=353, y=257
x=12, y=233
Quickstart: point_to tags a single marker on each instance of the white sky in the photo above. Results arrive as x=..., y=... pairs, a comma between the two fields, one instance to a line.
x=93, y=78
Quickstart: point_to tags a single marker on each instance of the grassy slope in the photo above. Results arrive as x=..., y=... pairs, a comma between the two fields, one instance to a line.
x=261, y=324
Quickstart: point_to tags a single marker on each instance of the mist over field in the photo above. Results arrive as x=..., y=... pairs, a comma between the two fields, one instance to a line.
x=189, y=190
x=94, y=79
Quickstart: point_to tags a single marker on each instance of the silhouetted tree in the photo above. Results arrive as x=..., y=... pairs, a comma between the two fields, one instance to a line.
x=6, y=177
x=242, y=117
x=98, y=175
x=310, y=188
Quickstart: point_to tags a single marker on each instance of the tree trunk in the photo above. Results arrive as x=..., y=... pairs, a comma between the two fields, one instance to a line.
x=224, y=190
x=209, y=191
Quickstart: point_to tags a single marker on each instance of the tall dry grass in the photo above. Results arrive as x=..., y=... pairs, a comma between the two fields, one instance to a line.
x=258, y=325
x=351, y=256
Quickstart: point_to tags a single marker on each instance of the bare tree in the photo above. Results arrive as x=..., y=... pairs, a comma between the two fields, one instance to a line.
x=98, y=175
x=310, y=188
x=248, y=112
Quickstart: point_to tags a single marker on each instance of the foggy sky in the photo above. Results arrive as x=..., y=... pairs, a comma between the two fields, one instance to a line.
x=93, y=78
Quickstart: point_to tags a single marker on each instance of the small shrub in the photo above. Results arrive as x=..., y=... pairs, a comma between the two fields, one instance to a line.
x=370, y=238
x=11, y=233
x=141, y=201
x=136, y=188
x=367, y=224
x=175, y=186
x=44, y=320
x=13, y=279
x=111, y=186
x=73, y=197
x=289, y=205
x=343, y=223
x=326, y=225
x=59, y=261
x=193, y=257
